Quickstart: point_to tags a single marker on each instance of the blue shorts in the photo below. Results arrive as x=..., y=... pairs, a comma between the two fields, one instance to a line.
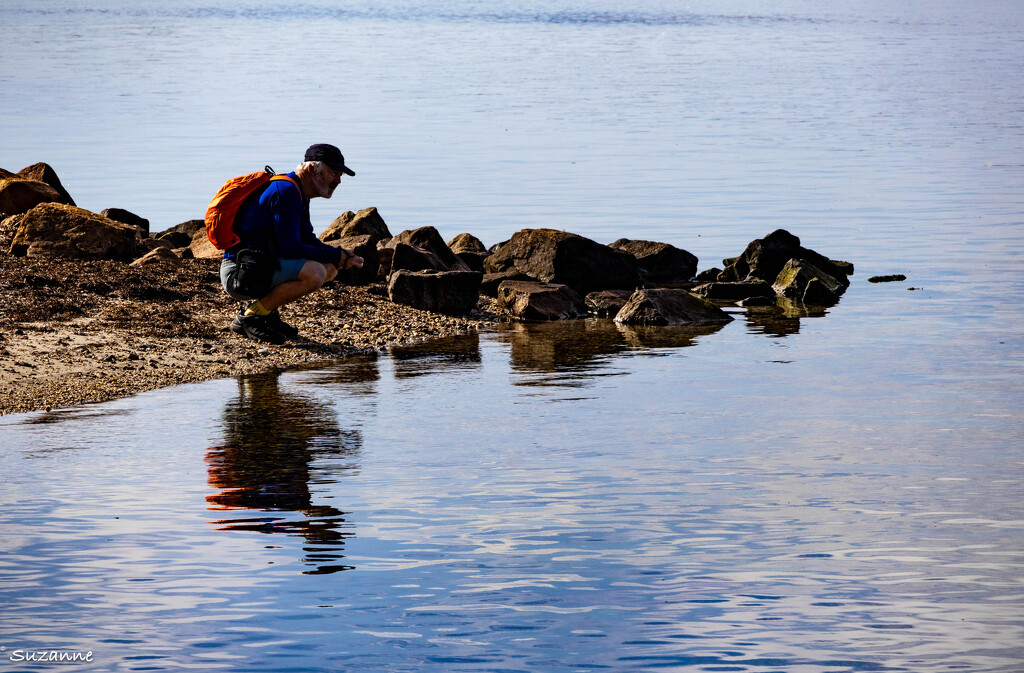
x=289, y=270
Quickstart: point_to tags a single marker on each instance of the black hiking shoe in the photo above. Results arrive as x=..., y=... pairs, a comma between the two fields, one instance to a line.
x=275, y=321
x=256, y=327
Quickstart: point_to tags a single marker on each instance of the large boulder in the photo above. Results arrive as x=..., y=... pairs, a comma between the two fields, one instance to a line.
x=43, y=172
x=60, y=230
x=735, y=291
x=127, y=217
x=18, y=195
x=531, y=300
x=422, y=249
x=470, y=250
x=666, y=306
x=568, y=259
x=449, y=292
x=365, y=247
x=764, y=258
x=607, y=303
x=202, y=248
x=805, y=282
x=180, y=235
x=367, y=222
x=660, y=262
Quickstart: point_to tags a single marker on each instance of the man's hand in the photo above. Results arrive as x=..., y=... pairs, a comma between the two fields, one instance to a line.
x=350, y=260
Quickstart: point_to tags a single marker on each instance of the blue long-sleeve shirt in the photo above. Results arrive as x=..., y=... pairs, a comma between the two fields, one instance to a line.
x=278, y=221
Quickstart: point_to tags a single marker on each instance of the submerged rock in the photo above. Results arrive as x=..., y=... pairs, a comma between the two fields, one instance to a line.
x=667, y=306
x=734, y=291
x=806, y=282
x=533, y=300
x=765, y=257
x=892, y=278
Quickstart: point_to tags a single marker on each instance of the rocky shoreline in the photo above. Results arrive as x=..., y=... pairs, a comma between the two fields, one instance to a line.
x=91, y=331
x=94, y=306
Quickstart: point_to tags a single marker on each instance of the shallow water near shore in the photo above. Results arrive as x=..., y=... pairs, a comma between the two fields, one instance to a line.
x=820, y=491
x=574, y=496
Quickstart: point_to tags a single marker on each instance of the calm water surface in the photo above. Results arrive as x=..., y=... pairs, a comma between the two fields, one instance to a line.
x=826, y=491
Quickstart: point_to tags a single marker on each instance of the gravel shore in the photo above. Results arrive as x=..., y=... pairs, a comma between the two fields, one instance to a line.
x=73, y=332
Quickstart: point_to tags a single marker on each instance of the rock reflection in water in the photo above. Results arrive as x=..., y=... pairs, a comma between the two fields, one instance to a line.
x=782, y=318
x=457, y=352
x=271, y=438
x=583, y=346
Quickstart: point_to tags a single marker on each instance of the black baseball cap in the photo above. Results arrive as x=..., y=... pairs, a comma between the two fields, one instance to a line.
x=330, y=155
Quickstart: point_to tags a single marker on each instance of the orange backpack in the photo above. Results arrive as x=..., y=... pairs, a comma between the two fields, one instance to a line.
x=221, y=214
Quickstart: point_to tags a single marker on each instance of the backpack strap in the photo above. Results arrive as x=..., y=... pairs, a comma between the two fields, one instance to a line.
x=290, y=179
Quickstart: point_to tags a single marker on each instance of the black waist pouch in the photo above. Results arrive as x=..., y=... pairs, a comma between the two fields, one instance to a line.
x=254, y=273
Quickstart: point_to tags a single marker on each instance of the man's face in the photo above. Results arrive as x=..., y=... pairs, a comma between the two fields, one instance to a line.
x=327, y=180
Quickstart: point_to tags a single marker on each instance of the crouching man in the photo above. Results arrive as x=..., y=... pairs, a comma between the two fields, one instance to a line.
x=276, y=225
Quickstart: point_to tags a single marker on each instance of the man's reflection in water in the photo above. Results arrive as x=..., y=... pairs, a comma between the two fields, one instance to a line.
x=270, y=440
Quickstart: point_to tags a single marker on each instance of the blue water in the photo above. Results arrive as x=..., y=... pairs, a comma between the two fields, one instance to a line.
x=824, y=491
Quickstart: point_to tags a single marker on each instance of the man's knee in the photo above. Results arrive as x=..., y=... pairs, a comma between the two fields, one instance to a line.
x=313, y=274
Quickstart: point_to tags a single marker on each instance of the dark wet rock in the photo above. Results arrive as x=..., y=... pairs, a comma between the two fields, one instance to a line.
x=449, y=292
x=489, y=286
x=607, y=303
x=660, y=262
x=127, y=217
x=803, y=281
x=422, y=249
x=366, y=222
x=891, y=278
x=180, y=235
x=43, y=172
x=158, y=256
x=734, y=291
x=567, y=259
x=60, y=230
x=708, y=275
x=669, y=306
x=765, y=257
x=18, y=196
x=845, y=267
x=470, y=250
x=366, y=247
x=533, y=300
